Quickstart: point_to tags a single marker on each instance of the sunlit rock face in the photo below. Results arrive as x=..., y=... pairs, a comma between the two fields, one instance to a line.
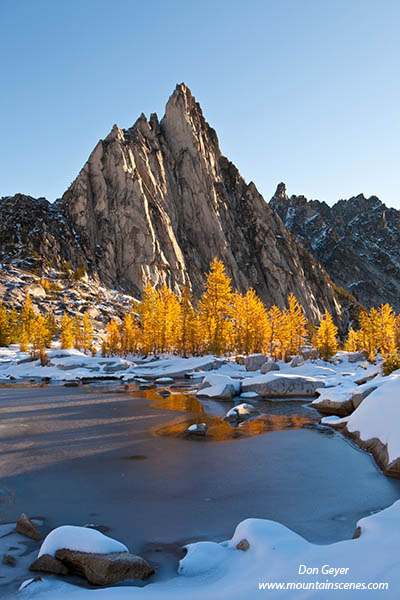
x=157, y=202
x=357, y=241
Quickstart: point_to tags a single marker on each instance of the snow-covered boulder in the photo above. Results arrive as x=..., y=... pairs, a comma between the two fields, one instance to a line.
x=220, y=391
x=83, y=539
x=99, y=558
x=375, y=425
x=269, y=366
x=197, y=429
x=282, y=386
x=297, y=361
x=241, y=412
x=202, y=557
x=253, y=362
x=341, y=400
x=222, y=387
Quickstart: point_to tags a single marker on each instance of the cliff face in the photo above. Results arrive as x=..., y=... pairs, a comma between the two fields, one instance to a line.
x=32, y=229
x=357, y=241
x=157, y=202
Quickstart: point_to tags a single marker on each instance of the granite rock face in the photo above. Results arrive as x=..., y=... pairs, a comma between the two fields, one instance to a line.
x=156, y=203
x=356, y=240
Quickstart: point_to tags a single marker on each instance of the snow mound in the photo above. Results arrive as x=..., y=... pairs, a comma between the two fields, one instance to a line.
x=82, y=539
x=378, y=416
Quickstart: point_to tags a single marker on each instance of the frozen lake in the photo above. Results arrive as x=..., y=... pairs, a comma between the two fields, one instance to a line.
x=97, y=454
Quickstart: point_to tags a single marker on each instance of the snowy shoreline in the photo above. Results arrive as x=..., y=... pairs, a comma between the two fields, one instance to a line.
x=367, y=404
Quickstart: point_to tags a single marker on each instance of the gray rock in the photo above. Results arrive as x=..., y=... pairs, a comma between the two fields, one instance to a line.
x=357, y=356
x=227, y=392
x=297, y=361
x=283, y=387
x=27, y=528
x=253, y=362
x=360, y=395
x=269, y=366
x=105, y=569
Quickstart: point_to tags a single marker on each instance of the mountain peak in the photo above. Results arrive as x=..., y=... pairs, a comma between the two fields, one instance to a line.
x=184, y=125
x=281, y=191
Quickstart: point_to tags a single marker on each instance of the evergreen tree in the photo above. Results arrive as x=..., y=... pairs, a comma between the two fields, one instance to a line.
x=23, y=341
x=387, y=330
x=5, y=338
x=249, y=322
x=14, y=325
x=129, y=335
x=187, y=328
x=325, y=338
x=295, y=327
x=214, y=309
x=87, y=332
x=39, y=335
x=112, y=342
x=77, y=331
x=274, y=339
x=67, y=333
x=147, y=310
x=352, y=341
x=51, y=328
x=27, y=317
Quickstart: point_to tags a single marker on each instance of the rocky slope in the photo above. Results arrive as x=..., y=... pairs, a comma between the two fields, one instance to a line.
x=156, y=202
x=357, y=241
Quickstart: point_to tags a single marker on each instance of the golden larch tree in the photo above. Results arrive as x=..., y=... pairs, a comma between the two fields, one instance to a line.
x=214, y=309
x=67, y=333
x=325, y=337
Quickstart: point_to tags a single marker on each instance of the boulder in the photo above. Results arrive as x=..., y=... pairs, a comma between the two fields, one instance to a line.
x=269, y=366
x=27, y=528
x=220, y=391
x=49, y=564
x=241, y=412
x=253, y=362
x=283, y=386
x=243, y=545
x=368, y=377
x=297, y=361
x=112, y=368
x=200, y=429
x=354, y=357
x=105, y=569
x=360, y=395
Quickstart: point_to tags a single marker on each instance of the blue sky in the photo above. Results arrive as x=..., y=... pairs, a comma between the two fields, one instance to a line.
x=301, y=91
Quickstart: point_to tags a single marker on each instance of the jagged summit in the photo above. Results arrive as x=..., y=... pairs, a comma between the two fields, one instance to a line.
x=158, y=201
x=357, y=240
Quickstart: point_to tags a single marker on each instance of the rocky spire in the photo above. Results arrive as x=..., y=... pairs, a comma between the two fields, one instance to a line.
x=157, y=202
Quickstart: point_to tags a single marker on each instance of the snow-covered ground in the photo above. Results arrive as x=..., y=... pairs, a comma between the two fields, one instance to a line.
x=268, y=554
x=274, y=554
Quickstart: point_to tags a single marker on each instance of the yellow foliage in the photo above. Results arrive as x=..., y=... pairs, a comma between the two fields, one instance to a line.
x=214, y=309
x=325, y=337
